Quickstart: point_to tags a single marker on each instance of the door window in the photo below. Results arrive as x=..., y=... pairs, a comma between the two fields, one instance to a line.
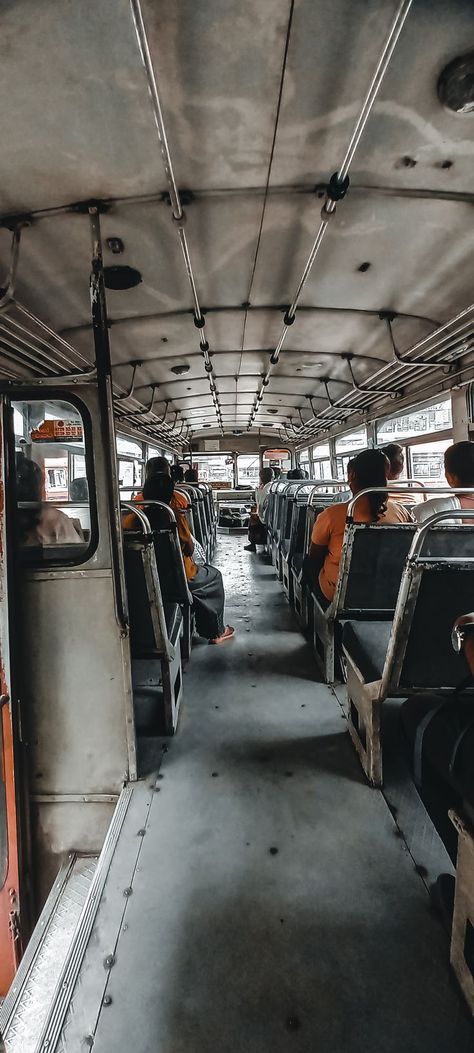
x=55, y=518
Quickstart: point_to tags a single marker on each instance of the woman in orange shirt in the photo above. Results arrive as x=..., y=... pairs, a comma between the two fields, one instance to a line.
x=204, y=581
x=368, y=469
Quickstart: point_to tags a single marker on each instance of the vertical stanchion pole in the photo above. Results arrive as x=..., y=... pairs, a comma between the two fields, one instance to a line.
x=103, y=364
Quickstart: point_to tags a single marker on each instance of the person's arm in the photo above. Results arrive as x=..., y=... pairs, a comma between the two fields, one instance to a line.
x=318, y=548
x=185, y=536
x=316, y=556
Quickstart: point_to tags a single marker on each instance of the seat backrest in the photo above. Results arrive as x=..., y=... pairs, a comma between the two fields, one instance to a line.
x=168, y=555
x=148, y=632
x=374, y=558
x=435, y=594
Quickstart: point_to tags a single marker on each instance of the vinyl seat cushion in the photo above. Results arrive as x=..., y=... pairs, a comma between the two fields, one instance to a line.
x=367, y=643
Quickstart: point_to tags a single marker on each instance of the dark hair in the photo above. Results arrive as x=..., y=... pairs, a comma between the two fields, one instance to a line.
x=79, y=489
x=266, y=475
x=276, y=471
x=369, y=468
x=177, y=473
x=297, y=473
x=158, y=487
x=29, y=486
x=459, y=461
x=191, y=476
x=395, y=454
x=157, y=466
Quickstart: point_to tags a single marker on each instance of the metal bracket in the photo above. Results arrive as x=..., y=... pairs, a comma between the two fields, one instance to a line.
x=348, y=356
x=129, y=393
x=7, y=291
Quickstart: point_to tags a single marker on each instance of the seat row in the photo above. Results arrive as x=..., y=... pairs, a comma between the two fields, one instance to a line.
x=399, y=591
x=160, y=606
x=389, y=632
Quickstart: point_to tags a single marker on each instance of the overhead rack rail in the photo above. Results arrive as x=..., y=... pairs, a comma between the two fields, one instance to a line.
x=336, y=190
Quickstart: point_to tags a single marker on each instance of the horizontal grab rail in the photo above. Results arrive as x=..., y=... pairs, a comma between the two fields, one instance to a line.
x=385, y=490
x=424, y=528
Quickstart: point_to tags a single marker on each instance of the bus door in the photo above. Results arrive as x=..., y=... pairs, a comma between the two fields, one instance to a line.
x=10, y=914
x=71, y=640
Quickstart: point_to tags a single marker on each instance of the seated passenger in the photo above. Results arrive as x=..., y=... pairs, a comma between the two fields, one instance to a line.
x=79, y=489
x=396, y=460
x=459, y=471
x=366, y=470
x=296, y=473
x=177, y=473
x=257, y=534
x=395, y=455
x=191, y=476
x=40, y=523
x=155, y=466
x=204, y=581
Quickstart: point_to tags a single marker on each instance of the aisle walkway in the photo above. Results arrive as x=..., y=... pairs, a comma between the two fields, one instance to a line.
x=276, y=907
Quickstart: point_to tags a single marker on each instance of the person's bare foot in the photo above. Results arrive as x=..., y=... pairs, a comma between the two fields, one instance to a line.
x=228, y=633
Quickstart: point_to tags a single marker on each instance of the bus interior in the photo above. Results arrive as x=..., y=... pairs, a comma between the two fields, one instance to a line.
x=236, y=244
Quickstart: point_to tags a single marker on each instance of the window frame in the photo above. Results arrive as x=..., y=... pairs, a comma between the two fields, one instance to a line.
x=54, y=394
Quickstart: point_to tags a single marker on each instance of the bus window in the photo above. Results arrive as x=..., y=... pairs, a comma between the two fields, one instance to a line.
x=346, y=447
x=53, y=474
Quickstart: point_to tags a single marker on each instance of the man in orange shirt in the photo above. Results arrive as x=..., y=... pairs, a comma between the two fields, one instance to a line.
x=366, y=470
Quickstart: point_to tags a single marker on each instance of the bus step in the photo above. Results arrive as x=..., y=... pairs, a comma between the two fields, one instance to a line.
x=27, y=1004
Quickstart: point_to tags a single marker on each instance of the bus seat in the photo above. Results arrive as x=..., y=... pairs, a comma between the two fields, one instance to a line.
x=367, y=644
x=155, y=637
x=418, y=657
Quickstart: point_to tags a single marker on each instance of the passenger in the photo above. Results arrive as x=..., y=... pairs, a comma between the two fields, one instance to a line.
x=366, y=470
x=41, y=523
x=155, y=466
x=204, y=581
x=296, y=473
x=276, y=472
x=395, y=455
x=191, y=476
x=257, y=534
x=177, y=473
x=459, y=471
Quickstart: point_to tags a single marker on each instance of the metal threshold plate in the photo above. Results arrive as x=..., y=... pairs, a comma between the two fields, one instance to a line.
x=26, y=1007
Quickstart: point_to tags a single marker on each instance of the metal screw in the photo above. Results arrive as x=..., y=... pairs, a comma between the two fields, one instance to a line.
x=107, y=1000
x=109, y=961
x=128, y=891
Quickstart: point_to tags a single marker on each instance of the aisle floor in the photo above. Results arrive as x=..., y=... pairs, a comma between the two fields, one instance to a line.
x=276, y=906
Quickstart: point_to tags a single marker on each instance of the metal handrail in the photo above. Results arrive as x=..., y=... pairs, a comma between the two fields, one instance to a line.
x=144, y=522
x=424, y=528
x=385, y=490
x=326, y=482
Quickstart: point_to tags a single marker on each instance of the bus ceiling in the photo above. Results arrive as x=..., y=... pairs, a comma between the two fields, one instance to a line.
x=285, y=244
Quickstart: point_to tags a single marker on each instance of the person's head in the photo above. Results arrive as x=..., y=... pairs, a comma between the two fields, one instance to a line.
x=276, y=472
x=79, y=489
x=369, y=469
x=29, y=490
x=459, y=464
x=266, y=476
x=396, y=458
x=29, y=479
x=157, y=488
x=297, y=473
x=157, y=466
x=177, y=473
x=191, y=476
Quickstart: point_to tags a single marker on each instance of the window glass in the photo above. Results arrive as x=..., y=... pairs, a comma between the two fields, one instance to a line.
x=437, y=417
x=322, y=469
x=427, y=460
x=53, y=520
x=352, y=440
x=248, y=470
x=128, y=447
x=153, y=451
x=321, y=451
x=217, y=471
